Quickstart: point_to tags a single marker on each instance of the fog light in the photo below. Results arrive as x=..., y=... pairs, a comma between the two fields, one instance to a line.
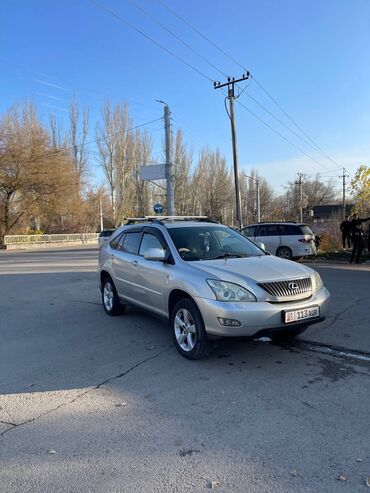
x=229, y=322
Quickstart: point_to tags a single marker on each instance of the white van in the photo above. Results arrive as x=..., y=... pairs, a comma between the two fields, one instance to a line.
x=285, y=240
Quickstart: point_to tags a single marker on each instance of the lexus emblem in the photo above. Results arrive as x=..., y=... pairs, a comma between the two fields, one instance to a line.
x=293, y=286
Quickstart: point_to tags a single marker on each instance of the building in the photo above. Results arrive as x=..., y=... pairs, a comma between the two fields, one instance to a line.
x=328, y=213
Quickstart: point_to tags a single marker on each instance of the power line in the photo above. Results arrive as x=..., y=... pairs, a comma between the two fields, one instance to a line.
x=142, y=33
x=160, y=45
x=295, y=123
x=282, y=136
x=154, y=19
x=200, y=33
x=227, y=55
x=284, y=124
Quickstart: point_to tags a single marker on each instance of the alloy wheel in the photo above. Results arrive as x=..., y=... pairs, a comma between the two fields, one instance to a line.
x=108, y=296
x=185, y=331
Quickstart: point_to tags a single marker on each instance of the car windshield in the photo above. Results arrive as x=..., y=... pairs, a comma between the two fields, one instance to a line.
x=211, y=243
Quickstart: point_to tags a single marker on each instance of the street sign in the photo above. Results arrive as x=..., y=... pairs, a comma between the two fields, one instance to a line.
x=153, y=172
x=158, y=208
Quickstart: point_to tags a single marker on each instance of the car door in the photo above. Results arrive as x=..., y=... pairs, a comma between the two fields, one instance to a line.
x=124, y=260
x=268, y=234
x=150, y=276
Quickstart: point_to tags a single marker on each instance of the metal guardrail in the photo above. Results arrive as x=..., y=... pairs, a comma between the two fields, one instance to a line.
x=45, y=239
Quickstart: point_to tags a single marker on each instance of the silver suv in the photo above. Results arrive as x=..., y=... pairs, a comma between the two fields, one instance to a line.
x=208, y=281
x=285, y=240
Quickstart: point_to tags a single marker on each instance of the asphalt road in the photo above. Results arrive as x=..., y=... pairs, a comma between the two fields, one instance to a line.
x=94, y=403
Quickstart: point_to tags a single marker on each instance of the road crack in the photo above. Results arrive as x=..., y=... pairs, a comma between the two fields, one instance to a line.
x=82, y=301
x=7, y=423
x=339, y=314
x=98, y=386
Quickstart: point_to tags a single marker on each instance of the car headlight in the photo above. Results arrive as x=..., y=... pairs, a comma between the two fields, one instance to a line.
x=228, y=291
x=316, y=282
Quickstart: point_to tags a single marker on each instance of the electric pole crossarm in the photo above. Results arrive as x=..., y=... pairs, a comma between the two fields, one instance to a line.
x=231, y=80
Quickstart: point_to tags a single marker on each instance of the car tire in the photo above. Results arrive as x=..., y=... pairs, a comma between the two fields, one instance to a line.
x=284, y=337
x=111, y=302
x=188, y=330
x=284, y=252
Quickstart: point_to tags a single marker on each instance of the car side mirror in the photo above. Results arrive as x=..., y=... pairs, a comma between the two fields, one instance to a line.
x=261, y=245
x=155, y=254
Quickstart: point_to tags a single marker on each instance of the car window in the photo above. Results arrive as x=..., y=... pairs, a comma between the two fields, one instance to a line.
x=268, y=230
x=293, y=229
x=114, y=243
x=249, y=231
x=288, y=229
x=130, y=243
x=305, y=230
x=211, y=242
x=149, y=241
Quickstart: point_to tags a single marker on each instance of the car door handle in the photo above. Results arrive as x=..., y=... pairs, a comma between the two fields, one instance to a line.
x=135, y=263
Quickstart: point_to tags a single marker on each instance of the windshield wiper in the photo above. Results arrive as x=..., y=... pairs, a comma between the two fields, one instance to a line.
x=228, y=255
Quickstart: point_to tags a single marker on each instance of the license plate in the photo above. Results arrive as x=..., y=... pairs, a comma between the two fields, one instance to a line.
x=303, y=314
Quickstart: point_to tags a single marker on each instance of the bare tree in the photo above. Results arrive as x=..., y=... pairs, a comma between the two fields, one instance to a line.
x=78, y=133
x=142, y=156
x=314, y=192
x=214, y=184
x=113, y=135
x=182, y=159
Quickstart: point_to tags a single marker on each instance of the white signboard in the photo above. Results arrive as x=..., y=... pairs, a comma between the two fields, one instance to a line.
x=153, y=172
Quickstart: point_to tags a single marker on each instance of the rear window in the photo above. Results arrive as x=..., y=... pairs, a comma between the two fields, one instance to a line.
x=305, y=230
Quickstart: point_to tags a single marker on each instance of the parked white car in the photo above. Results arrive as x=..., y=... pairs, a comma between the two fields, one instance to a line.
x=285, y=240
x=207, y=280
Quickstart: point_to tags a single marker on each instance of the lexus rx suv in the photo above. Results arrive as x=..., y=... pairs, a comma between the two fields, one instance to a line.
x=209, y=281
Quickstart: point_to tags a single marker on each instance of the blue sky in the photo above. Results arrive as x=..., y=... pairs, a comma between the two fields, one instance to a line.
x=312, y=56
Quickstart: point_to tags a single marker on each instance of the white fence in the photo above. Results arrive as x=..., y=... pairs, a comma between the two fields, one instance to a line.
x=31, y=241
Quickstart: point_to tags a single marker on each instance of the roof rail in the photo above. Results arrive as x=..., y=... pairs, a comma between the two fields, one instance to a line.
x=161, y=219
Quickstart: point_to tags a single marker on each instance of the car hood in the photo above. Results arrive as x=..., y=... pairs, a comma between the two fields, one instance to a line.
x=259, y=269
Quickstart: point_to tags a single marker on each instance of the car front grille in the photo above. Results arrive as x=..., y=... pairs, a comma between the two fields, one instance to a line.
x=284, y=289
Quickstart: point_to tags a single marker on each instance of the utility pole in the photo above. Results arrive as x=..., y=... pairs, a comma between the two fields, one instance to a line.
x=168, y=164
x=299, y=182
x=258, y=201
x=101, y=216
x=231, y=97
x=344, y=176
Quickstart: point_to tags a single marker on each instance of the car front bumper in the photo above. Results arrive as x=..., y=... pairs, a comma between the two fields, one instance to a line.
x=257, y=316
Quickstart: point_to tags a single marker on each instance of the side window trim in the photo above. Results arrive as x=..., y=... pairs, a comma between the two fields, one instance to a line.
x=159, y=235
